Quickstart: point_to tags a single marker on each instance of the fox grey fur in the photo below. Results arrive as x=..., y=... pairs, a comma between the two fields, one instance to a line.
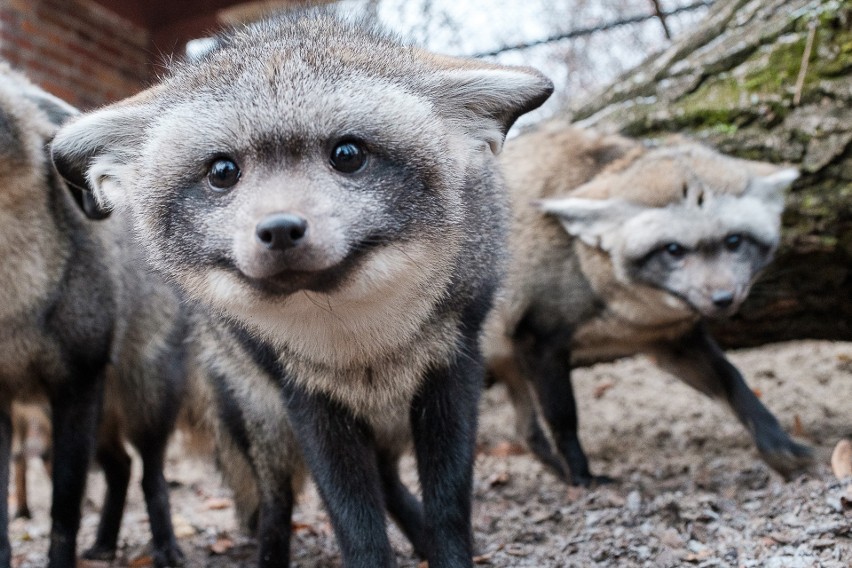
x=329, y=195
x=619, y=249
x=81, y=323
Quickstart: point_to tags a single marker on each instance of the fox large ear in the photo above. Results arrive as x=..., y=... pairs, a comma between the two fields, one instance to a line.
x=92, y=152
x=770, y=189
x=484, y=99
x=593, y=221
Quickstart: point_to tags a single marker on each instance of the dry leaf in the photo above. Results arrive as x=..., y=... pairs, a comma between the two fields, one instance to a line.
x=574, y=492
x=841, y=459
x=757, y=392
x=505, y=449
x=218, y=503
x=601, y=388
x=483, y=558
x=501, y=478
x=84, y=563
x=182, y=527
x=798, y=430
x=222, y=545
x=699, y=556
x=141, y=561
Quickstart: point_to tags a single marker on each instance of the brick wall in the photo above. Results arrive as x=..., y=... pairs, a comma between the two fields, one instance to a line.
x=76, y=49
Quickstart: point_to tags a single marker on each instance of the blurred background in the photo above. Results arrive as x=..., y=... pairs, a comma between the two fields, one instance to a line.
x=92, y=52
x=761, y=79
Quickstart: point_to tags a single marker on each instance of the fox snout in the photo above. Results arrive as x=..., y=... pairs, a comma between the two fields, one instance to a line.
x=282, y=231
x=719, y=302
x=284, y=243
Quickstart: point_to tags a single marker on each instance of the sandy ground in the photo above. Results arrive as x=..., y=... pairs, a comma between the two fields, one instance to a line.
x=690, y=489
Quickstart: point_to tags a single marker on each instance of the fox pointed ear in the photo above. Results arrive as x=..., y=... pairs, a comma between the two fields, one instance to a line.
x=770, y=189
x=483, y=98
x=593, y=221
x=91, y=153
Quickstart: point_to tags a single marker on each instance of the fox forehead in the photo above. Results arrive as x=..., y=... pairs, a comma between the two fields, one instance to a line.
x=670, y=175
x=294, y=116
x=691, y=225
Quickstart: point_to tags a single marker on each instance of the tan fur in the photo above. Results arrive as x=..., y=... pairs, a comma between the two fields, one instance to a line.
x=616, y=249
x=557, y=161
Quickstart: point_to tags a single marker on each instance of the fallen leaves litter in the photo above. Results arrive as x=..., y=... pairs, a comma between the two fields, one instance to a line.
x=498, y=479
x=141, y=561
x=798, y=429
x=218, y=503
x=505, y=449
x=841, y=459
x=222, y=545
x=601, y=388
x=182, y=527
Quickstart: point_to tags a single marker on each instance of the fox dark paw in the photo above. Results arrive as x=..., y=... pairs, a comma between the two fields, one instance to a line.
x=789, y=459
x=169, y=557
x=98, y=552
x=591, y=481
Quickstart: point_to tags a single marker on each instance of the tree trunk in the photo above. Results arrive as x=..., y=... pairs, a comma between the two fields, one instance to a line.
x=741, y=82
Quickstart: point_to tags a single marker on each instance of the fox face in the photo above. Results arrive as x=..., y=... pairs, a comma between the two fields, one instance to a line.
x=318, y=190
x=690, y=222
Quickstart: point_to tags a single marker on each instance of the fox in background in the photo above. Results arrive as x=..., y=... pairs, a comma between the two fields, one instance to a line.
x=619, y=249
x=86, y=333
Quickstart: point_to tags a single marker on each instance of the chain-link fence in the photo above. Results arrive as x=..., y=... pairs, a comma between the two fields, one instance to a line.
x=582, y=45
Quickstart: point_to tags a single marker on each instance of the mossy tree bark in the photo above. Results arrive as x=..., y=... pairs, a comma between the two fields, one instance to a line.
x=740, y=82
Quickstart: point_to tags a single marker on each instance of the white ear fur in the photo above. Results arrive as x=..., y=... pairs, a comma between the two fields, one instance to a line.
x=770, y=189
x=593, y=221
x=197, y=49
x=92, y=151
x=486, y=101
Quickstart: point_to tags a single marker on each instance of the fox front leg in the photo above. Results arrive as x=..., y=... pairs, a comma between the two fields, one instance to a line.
x=699, y=361
x=544, y=356
x=341, y=454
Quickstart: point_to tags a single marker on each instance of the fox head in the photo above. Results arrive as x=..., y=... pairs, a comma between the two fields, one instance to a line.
x=300, y=153
x=686, y=220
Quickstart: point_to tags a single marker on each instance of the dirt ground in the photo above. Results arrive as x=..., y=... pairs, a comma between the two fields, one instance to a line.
x=690, y=489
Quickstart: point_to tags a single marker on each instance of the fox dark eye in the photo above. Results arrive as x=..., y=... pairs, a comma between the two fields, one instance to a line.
x=733, y=242
x=348, y=157
x=675, y=250
x=223, y=174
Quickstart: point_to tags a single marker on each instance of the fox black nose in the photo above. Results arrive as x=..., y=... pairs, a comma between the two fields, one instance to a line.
x=281, y=231
x=722, y=299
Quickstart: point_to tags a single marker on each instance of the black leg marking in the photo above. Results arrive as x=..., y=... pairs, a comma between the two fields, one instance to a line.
x=404, y=507
x=166, y=551
x=544, y=356
x=701, y=363
x=76, y=412
x=115, y=463
x=443, y=422
x=341, y=455
x=274, y=529
x=5, y=455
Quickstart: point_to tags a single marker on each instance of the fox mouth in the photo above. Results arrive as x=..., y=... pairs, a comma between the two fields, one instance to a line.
x=289, y=281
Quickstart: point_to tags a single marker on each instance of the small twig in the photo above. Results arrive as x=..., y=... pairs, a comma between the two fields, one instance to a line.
x=806, y=56
x=661, y=14
x=594, y=29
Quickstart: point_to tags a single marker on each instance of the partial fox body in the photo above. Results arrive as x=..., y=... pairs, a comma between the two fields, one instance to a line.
x=329, y=196
x=619, y=249
x=83, y=326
